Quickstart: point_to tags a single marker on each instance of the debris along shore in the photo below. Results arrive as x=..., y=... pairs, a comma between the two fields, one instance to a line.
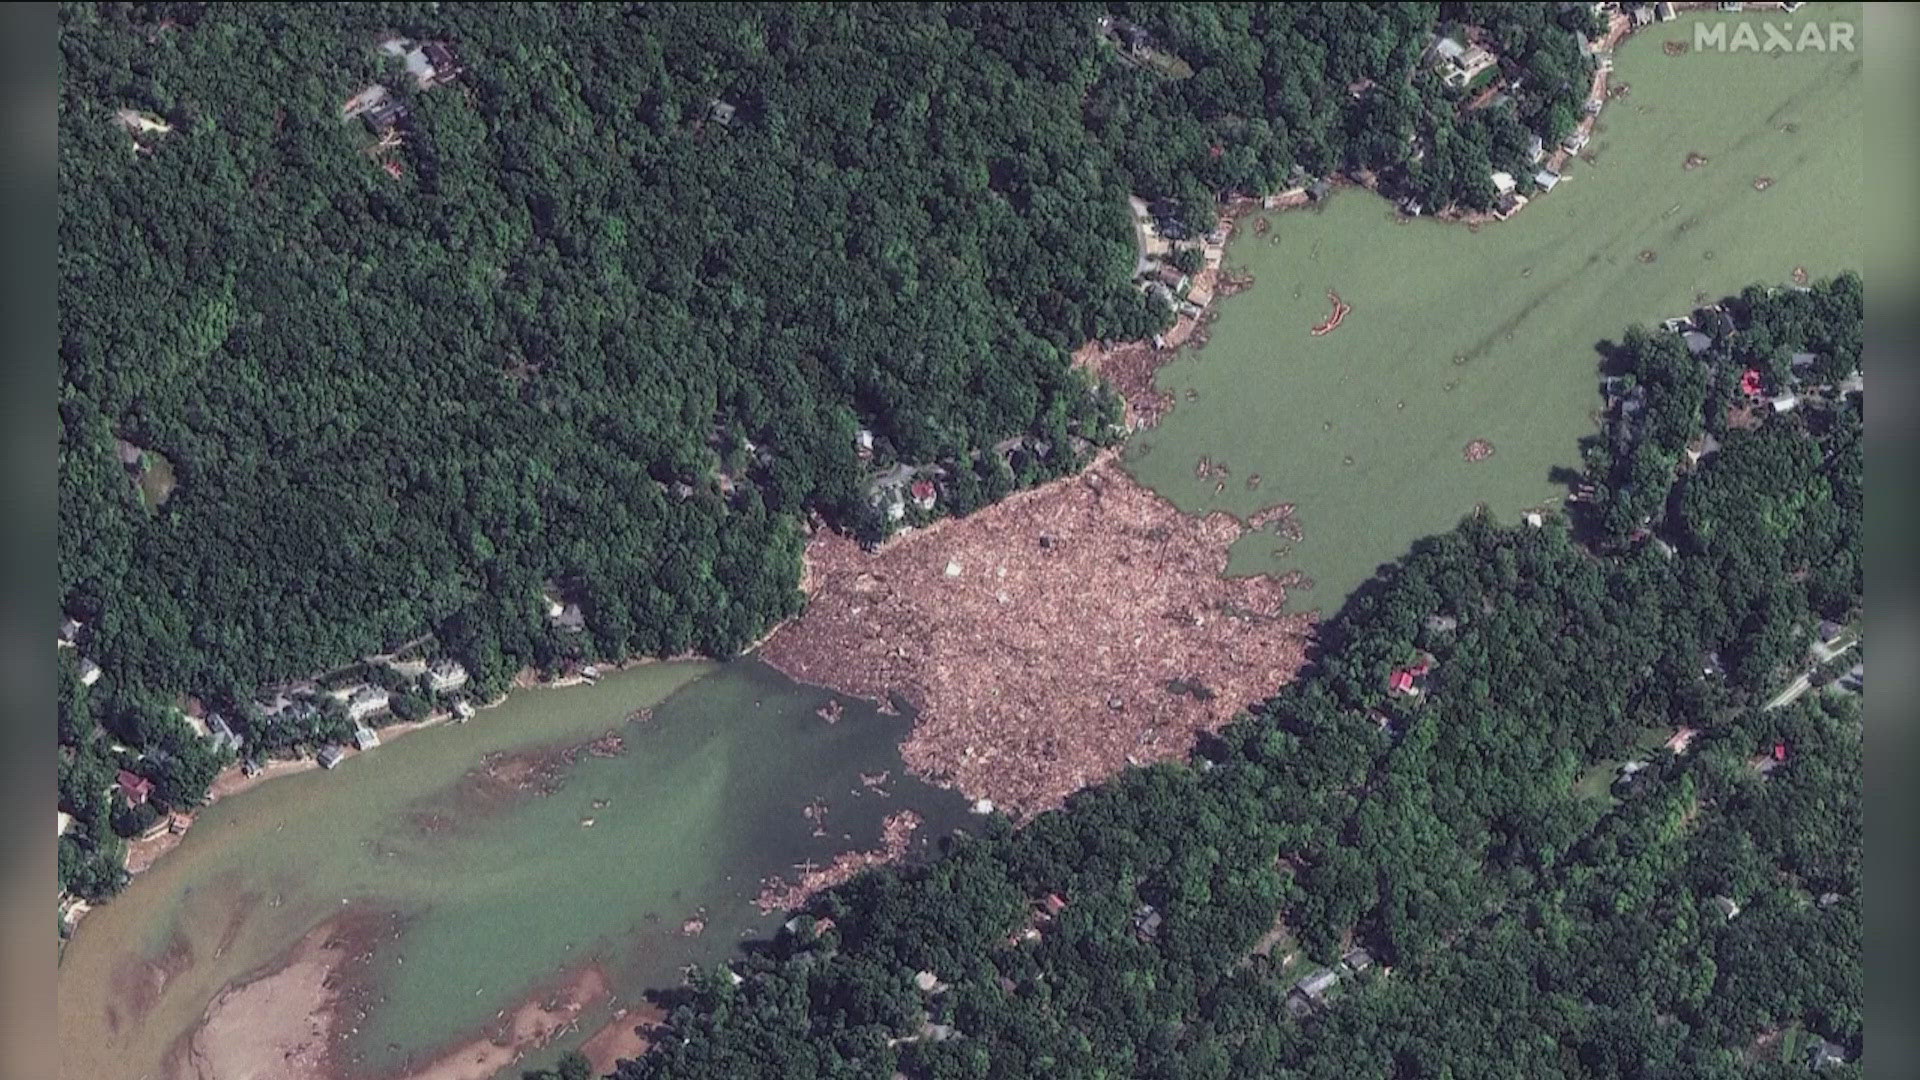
x=1048, y=641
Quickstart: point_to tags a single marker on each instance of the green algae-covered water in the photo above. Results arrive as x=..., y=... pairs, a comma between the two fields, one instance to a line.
x=498, y=891
x=1457, y=335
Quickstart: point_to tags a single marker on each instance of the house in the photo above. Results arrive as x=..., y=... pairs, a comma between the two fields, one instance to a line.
x=1053, y=904
x=1679, y=324
x=1726, y=907
x=1830, y=632
x=1801, y=361
x=1702, y=448
x=1681, y=739
x=1854, y=383
x=331, y=756
x=1823, y=1053
x=1663, y=11
x=928, y=983
x=89, y=672
x=1506, y=205
x=1855, y=677
x=1575, y=142
x=1641, y=15
x=1172, y=278
x=463, y=710
x=1442, y=624
x=1546, y=179
x=136, y=788
x=569, y=620
x=1663, y=547
x=1536, y=149
x=62, y=821
x=863, y=443
x=1784, y=403
x=1534, y=519
x=384, y=115
x=1314, y=987
x=1726, y=5
x=69, y=629
x=720, y=112
x=365, y=738
x=1412, y=207
x=1318, y=190
x=445, y=675
x=366, y=701
x=1356, y=961
x=1752, y=383
x=1502, y=182
x=222, y=734
x=1460, y=66
x=1411, y=680
x=1697, y=342
x=1710, y=665
x=1146, y=922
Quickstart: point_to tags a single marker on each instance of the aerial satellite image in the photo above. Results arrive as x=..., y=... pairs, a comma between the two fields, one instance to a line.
x=948, y=541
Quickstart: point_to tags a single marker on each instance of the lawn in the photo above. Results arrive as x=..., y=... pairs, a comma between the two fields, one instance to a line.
x=1457, y=335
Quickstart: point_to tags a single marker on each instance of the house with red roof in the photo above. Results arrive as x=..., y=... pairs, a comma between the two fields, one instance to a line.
x=135, y=787
x=1752, y=384
x=1412, y=679
x=924, y=494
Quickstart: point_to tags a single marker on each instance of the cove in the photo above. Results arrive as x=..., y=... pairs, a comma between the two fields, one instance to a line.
x=507, y=851
x=1459, y=335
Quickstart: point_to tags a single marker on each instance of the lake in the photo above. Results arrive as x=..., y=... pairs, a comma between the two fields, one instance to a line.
x=1457, y=335
x=498, y=889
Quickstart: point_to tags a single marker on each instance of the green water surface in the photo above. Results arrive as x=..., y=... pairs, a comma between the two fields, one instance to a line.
x=1458, y=335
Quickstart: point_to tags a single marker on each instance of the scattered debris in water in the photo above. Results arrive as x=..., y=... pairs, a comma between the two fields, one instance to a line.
x=1478, y=450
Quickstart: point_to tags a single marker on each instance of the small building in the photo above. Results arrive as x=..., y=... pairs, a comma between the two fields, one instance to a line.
x=445, y=675
x=330, y=756
x=1146, y=922
x=222, y=734
x=1574, y=142
x=863, y=443
x=1503, y=182
x=135, y=788
x=1823, y=1053
x=1702, y=448
x=1536, y=149
x=721, y=112
x=1801, y=361
x=69, y=629
x=89, y=672
x=570, y=619
x=1663, y=11
x=1442, y=624
x=1315, y=987
x=1726, y=907
x=366, y=701
x=1508, y=204
x=365, y=738
x=924, y=493
x=1412, y=207
x=1830, y=631
x=1534, y=519
x=1546, y=179
x=1711, y=666
x=1357, y=960
x=1784, y=403
x=1697, y=342
x=463, y=710
x=1854, y=383
x=62, y=821
x=1319, y=189
x=1640, y=15
x=1855, y=678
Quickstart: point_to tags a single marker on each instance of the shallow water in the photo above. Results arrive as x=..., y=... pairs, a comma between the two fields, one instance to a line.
x=1458, y=335
x=499, y=892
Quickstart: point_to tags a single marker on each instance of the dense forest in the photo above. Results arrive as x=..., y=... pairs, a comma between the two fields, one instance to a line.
x=1515, y=870
x=384, y=320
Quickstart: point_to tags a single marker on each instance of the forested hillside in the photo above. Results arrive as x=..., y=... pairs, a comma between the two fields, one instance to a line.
x=1534, y=784
x=601, y=305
